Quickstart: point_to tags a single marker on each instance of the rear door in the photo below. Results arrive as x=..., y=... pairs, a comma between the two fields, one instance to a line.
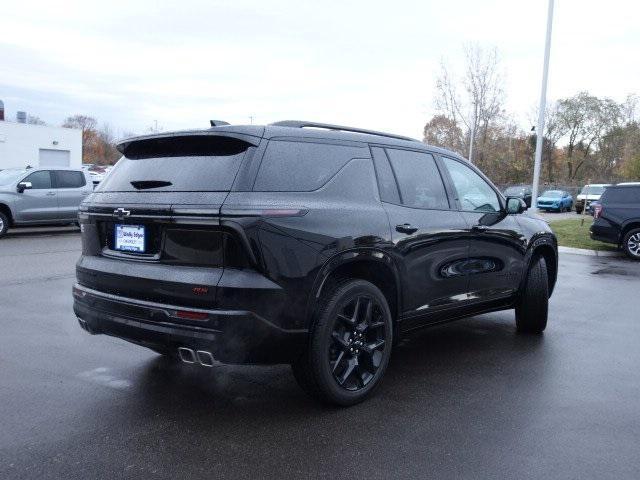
x=72, y=188
x=496, y=245
x=40, y=202
x=428, y=235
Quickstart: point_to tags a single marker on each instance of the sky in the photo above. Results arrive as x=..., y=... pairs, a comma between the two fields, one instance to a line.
x=368, y=64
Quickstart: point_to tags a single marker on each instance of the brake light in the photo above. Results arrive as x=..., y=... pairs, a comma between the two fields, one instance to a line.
x=597, y=211
x=187, y=315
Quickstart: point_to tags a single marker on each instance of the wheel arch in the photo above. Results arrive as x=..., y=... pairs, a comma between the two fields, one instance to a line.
x=630, y=225
x=545, y=247
x=4, y=208
x=372, y=265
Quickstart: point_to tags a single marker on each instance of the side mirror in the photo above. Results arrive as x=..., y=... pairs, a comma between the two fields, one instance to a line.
x=515, y=205
x=22, y=186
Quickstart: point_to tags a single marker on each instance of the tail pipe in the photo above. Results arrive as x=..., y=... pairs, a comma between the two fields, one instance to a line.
x=201, y=357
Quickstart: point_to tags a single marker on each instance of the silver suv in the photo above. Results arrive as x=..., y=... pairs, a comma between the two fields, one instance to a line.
x=32, y=196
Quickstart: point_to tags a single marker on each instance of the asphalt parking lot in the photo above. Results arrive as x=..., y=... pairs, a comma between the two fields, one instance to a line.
x=467, y=400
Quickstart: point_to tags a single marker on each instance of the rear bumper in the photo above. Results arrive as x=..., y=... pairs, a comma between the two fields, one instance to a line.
x=604, y=233
x=232, y=336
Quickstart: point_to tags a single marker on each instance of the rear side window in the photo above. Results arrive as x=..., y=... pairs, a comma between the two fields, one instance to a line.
x=302, y=166
x=177, y=164
x=621, y=195
x=69, y=179
x=39, y=180
x=419, y=179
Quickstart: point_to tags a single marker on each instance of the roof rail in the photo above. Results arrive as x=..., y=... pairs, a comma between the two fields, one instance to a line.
x=328, y=126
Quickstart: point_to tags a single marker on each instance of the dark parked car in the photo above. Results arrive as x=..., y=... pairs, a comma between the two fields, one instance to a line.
x=318, y=247
x=617, y=219
x=520, y=191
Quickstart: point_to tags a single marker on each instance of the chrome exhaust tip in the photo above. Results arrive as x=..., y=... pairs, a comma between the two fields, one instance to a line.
x=187, y=355
x=205, y=358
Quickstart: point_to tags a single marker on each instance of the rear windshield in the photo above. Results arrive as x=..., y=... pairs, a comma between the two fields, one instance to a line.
x=191, y=164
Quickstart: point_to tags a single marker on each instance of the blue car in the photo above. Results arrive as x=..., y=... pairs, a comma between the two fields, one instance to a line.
x=556, y=200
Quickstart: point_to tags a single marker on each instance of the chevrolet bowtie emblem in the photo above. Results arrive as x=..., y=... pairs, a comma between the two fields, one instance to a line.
x=121, y=212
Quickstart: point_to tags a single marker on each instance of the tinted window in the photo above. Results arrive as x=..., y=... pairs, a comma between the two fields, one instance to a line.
x=474, y=193
x=39, y=180
x=419, y=179
x=622, y=195
x=177, y=164
x=386, y=180
x=69, y=179
x=302, y=166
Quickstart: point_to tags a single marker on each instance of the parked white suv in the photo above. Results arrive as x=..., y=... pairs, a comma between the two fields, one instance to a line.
x=588, y=194
x=32, y=196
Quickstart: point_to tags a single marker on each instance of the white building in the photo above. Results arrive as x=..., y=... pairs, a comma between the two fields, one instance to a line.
x=23, y=144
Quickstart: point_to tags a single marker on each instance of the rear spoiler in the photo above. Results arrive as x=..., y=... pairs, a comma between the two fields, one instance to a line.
x=194, y=137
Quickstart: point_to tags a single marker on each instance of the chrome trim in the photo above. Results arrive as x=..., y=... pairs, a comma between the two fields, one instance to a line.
x=186, y=355
x=205, y=358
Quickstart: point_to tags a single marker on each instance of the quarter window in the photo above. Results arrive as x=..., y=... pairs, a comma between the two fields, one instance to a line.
x=39, y=180
x=474, y=193
x=302, y=166
x=418, y=179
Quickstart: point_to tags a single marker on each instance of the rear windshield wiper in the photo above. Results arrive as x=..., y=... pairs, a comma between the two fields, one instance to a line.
x=145, y=184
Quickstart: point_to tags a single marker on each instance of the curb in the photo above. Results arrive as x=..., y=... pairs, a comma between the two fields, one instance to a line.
x=591, y=253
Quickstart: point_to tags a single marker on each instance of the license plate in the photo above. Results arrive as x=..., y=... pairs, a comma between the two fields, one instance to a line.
x=129, y=238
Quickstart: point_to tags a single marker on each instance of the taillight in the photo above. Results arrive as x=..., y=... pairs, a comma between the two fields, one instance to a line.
x=189, y=315
x=597, y=211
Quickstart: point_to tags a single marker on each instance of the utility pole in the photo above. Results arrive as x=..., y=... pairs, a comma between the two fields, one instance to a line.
x=543, y=104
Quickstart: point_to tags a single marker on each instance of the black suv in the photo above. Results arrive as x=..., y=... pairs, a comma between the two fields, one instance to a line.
x=617, y=218
x=319, y=247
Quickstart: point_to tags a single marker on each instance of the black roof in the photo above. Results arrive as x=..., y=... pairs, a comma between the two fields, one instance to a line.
x=292, y=129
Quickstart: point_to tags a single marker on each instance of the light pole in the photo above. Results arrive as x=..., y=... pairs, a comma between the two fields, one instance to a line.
x=473, y=131
x=543, y=104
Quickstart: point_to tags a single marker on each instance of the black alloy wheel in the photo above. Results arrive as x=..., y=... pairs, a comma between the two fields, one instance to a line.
x=350, y=344
x=358, y=343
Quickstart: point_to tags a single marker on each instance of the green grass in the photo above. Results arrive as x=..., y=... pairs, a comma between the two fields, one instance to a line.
x=571, y=233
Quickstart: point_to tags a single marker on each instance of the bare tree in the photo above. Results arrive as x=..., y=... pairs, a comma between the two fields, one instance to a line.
x=479, y=104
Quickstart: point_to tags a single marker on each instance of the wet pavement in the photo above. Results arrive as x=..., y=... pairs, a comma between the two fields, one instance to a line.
x=471, y=399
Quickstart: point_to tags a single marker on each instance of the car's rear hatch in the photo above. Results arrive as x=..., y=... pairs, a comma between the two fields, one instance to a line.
x=152, y=230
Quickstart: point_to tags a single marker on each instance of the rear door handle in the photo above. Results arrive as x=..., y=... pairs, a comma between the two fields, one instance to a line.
x=51, y=193
x=406, y=228
x=479, y=228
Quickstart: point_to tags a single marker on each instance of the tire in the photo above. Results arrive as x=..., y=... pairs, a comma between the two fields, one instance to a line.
x=4, y=224
x=533, y=305
x=578, y=210
x=349, y=344
x=631, y=244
